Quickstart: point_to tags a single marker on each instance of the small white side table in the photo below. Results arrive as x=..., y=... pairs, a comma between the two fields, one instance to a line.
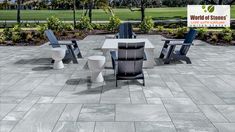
x=96, y=65
x=58, y=54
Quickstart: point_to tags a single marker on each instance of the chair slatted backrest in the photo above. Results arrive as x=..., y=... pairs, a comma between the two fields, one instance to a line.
x=188, y=39
x=52, y=38
x=130, y=31
x=130, y=58
x=125, y=30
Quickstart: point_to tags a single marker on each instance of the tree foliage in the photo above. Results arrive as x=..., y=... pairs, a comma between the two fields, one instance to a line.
x=179, y=3
x=219, y=2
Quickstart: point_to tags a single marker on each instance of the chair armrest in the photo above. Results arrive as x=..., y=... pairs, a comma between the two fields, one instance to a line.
x=172, y=39
x=62, y=44
x=134, y=35
x=74, y=40
x=170, y=44
x=75, y=44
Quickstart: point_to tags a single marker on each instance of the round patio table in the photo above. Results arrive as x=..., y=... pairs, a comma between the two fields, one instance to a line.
x=96, y=65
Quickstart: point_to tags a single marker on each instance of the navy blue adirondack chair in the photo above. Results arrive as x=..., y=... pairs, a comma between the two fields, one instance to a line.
x=129, y=61
x=169, y=53
x=72, y=49
x=125, y=31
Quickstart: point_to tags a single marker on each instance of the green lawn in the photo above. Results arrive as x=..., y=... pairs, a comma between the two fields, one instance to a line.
x=124, y=14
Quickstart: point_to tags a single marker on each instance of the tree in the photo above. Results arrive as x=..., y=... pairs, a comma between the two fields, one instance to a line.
x=90, y=4
x=6, y=3
x=19, y=3
x=18, y=11
x=141, y=4
x=74, y=13
x=220, y=2
x=179, y=3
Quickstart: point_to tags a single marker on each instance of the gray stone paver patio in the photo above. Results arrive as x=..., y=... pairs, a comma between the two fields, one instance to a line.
x=177, y=97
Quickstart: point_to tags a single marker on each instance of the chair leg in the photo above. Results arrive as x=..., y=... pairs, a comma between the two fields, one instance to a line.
x=167, y=61
x=161, y=56
x=188, y=61
x=143, y=82
x=170, y=54
x=79, y=55
x=52, y=61
x=116, y=83
x=74, y=58
x=164, y=47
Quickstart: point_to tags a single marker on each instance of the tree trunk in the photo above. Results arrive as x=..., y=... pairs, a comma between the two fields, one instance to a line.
x=220, y=2
x=210, y=2
x=85, y=14
x=6, y=4
x=90, y=10
x=142, y=11
x=18, y=11
x=74, y=13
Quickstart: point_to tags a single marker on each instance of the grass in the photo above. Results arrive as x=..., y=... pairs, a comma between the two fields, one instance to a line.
x=124, y=14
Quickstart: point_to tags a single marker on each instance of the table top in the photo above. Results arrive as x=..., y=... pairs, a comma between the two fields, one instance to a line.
x=58, y=49
x=113, y=43
x=96, y=58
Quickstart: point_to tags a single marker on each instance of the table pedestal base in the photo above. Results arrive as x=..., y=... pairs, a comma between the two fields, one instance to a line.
x=97, y=77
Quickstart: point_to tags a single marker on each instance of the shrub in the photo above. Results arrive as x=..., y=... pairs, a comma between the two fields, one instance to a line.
x=64, y=33
x=228, y=37
x=114, y=22
x=99, y=26
x=171, y=31
x=220, y=35
x=41, y=29
x=180, y=32
x=147, y=25
x=226, y=30
x=160, y=28
x=84, y=24
x=54, y=23
x=17, y=28
x=18, y=34
x=78, y=34
x=233, y=35
x=202, y=32
x=214, y=38
x=2, y=39
x=29, y=37
x=7, y=34
x=68, y=26
x=23, y=35
x=27, y=24
x=16, y=37
x=174, y=25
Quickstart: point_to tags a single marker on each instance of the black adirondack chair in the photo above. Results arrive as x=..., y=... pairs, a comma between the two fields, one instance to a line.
x=72, y=49
x=169, y=53
x=129, y=61
x=125, y=31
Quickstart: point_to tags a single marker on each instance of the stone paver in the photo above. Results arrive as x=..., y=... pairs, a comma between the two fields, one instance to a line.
x=115, y=127
x=177, y=97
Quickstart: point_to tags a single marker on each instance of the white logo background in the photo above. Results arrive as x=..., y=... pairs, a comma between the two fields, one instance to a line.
x=197, y=10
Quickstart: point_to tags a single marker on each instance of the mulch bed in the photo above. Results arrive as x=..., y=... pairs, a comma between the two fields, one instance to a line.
x=80, y=35
x=68, y=35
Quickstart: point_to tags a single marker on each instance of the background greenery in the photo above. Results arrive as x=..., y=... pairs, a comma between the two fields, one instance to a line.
x=99, y=14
